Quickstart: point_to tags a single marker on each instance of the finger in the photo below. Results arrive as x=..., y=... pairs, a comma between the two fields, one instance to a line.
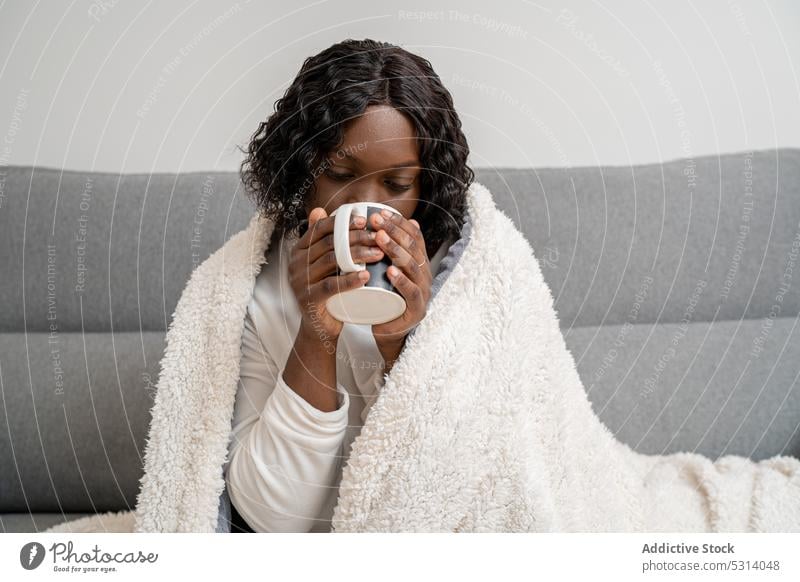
x=320, y=225
x=413, y=293
x=366, y=253
x=330, y=286
x=315, y=228
x=410, y=229
x=322, y=255
x=402, y=259
x=409, y=237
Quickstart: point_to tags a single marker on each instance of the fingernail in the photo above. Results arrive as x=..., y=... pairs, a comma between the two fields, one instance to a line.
x=383, y=237
x=360, y=221
x=363, y=275
x=386, y=213
x=378, y=219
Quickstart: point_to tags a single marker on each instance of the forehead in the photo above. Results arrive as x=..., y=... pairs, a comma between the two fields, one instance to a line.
x=379, y=137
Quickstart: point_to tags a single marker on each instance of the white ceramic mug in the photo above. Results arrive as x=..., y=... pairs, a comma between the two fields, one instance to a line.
x=377, y=301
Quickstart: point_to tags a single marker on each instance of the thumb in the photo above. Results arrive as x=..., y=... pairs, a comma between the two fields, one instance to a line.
x=318, y=213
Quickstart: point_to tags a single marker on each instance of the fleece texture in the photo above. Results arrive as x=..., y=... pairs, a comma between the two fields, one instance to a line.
x=483, y=424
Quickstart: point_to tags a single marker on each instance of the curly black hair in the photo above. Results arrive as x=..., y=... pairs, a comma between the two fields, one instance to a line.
x=335, y=86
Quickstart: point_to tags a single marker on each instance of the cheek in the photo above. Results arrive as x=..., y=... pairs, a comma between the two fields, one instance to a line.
x=334, y=193
x=408, y=206
x=320, y=195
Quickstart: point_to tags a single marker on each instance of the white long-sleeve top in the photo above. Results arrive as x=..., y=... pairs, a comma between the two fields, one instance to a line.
x=285, y=457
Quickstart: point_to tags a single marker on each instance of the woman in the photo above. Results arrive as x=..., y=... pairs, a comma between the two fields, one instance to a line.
x=362, y=121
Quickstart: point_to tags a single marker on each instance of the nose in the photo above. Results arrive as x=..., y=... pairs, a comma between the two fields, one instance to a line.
x=359, y=191
x=362, y=193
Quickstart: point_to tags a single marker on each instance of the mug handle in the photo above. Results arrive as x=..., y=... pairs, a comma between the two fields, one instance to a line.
x=341, y=238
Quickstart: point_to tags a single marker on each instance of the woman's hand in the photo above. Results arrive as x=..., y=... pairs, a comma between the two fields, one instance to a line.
x=410, y=273
x=312, y=270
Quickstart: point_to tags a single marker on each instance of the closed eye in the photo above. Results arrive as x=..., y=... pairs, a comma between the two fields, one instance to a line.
x=339, y=176
x=344, y=177
x=399, y=187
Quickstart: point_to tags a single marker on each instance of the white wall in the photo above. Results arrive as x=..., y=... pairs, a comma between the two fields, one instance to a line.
x=176, y=86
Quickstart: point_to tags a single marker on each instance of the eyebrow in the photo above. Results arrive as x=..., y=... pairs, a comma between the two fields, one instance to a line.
x=407, y=164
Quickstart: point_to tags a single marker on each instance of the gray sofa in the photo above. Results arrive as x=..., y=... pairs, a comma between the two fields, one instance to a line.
x=677, y=286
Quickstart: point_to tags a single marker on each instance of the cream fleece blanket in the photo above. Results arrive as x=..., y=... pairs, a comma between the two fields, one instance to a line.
x=483, y=424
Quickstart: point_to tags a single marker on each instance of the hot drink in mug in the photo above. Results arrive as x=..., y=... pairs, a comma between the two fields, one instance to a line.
x=377, y=301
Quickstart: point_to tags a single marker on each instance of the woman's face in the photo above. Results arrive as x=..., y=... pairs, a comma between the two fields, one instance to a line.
x=378, y=161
